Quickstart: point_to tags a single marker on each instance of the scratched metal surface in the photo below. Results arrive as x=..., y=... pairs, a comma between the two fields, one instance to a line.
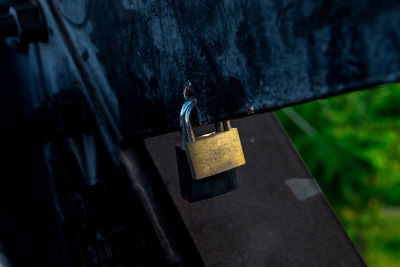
x=237, y=53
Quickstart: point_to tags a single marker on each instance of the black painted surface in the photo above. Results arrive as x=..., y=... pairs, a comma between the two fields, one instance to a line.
x=28, y=227
x=237, y=53
x=63, y=200
x=131, y=58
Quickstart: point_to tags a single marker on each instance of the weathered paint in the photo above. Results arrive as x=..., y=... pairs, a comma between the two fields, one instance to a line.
x=240, y=55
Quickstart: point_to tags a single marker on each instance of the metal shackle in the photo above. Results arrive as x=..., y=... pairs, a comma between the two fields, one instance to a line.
x=222, y=126
x=184, y=121
x=188, y=103
x=187, y=126
x=184, y=108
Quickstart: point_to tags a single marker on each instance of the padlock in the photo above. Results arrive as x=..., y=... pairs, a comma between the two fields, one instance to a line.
x=212, y=153
x=195, y=190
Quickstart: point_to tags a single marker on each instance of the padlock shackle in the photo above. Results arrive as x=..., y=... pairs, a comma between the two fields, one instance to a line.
x=184, y=121
x=187, y=125
x=222, y=126
x=184, y=108
x=190, y=102
x=227, y=125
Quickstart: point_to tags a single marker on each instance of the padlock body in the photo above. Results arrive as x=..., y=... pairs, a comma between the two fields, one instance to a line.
x=195, y=190
x=215, y=154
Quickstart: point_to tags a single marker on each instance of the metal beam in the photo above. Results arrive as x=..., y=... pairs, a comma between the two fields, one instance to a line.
x=278, y=215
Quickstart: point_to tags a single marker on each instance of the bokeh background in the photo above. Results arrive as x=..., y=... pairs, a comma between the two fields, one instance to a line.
x=351, y=144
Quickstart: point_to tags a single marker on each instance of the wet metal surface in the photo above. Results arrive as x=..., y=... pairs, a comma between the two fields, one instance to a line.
x=241, y=56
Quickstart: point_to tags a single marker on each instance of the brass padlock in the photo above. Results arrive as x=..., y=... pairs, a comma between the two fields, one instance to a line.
x=213, y=153
x=195, y=190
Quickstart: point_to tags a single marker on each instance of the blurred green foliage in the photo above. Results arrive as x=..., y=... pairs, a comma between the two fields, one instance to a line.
x=351, y=144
